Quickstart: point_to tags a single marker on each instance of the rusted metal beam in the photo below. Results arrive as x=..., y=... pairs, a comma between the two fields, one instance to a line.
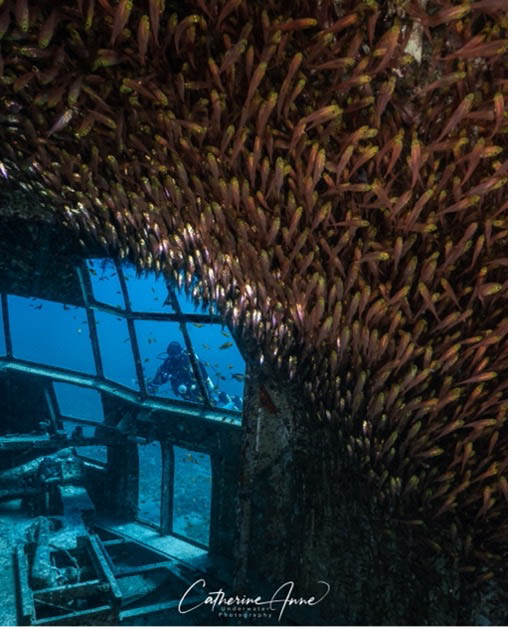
x=26, y=603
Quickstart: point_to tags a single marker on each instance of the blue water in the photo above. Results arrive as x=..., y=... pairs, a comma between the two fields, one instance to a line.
x=2, y=338
x=115, y=349
x=55, y=334
x=105, y=282
x=192, y=494
x=50, y=333
x=90, y=406
x=192, y=489
x=150, y=481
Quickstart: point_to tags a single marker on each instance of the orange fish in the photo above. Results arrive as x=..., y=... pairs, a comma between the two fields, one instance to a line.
x=121, y=17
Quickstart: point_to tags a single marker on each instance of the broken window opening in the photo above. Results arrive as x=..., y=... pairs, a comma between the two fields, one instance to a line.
x=192, y=494
x=150, y=482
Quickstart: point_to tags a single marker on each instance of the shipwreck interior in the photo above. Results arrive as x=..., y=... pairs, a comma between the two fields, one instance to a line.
x=115, y=494
x=253, y=312
x=118, y=491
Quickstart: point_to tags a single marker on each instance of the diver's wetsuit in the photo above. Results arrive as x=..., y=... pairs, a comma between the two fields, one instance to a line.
x=178, y=371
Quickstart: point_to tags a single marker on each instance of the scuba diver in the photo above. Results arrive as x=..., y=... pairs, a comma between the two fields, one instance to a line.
x=176, y=369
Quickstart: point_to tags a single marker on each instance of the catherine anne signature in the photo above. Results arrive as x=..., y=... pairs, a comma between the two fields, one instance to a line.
x=280, y=600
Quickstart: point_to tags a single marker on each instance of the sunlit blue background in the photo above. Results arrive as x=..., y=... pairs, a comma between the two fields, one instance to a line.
x=57, y=334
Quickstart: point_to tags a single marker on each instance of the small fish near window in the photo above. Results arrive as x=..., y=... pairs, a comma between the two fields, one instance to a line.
x=105, y=282
x=45, y=332
x=220, y=357
x=172, y=348
x=146, y=293
x=116, y=352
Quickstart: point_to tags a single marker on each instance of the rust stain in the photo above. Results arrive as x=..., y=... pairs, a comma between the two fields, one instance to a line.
x=266, y=401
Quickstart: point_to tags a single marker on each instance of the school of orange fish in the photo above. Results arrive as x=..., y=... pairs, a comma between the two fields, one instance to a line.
x=344, y=205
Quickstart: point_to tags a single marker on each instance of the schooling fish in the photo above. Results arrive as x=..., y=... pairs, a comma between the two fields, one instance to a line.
x=225, y=345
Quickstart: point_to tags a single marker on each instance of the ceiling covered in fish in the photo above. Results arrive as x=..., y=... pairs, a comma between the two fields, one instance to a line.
x=333, y=173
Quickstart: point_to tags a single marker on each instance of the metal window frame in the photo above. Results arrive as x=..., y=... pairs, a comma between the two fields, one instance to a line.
x=131, y=316
x=182, y=408
x=195, y=414
x=167, y=491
